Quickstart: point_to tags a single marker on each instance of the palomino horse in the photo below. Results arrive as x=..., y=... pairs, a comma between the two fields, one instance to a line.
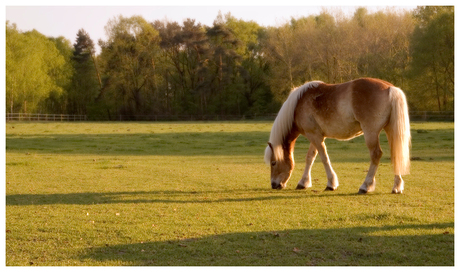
x=340, y=111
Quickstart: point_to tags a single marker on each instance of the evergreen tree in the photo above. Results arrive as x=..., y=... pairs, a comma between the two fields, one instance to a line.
x=85, y=84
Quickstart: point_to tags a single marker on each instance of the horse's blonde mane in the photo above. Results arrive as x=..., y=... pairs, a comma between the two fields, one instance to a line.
x=284, y=120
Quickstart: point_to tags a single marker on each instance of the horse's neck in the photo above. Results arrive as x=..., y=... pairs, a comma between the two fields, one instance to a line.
x=290, y=139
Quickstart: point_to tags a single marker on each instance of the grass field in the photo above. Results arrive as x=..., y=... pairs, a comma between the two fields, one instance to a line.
x=199, y=194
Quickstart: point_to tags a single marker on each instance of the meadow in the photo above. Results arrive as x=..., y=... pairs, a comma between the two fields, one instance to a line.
x=198, y=193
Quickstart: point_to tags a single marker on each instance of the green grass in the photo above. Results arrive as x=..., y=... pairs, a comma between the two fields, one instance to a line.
x=199, y=194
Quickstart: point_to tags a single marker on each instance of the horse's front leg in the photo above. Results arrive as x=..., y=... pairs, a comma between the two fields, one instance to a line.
x=305, y=181
x=332, y=180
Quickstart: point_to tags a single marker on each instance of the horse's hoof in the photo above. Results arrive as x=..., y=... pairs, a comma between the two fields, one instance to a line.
x=300, y=187
x=362, y=192
x=329, y=189
x=277, y=186
x=396, y=192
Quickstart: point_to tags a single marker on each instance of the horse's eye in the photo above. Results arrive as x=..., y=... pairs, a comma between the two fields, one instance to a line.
x=273, y=163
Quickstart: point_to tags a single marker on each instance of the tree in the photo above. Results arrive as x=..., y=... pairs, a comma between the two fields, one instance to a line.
x=253, y=95
x=128, y=59
x=196, y=49
x=84, y=48
x=231, y=67
x=432, y=51
x=185, y=48
x=86, y=82
x=335, y=48
x=56, y=102
x=222, y=75
x=34, y=69
x=279, y=50
x=383, y=44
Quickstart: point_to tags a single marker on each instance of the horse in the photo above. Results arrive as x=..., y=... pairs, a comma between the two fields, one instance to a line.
x=343, y=111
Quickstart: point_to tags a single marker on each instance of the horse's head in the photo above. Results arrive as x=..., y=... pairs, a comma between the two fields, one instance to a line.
x=281, y=170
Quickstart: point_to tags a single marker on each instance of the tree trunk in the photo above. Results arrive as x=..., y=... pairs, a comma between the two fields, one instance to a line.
x=97, y=72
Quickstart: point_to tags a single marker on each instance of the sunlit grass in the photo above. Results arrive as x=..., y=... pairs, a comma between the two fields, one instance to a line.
x=198, y=194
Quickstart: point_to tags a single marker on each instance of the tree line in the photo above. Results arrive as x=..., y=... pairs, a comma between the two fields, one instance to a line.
x=233, y=67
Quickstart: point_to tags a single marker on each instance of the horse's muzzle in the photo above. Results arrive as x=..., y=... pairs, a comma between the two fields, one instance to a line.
x=277, y=186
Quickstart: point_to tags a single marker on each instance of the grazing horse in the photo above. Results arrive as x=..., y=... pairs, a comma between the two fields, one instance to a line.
x=341, y=111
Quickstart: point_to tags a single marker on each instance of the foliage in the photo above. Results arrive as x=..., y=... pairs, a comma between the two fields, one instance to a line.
x=233, y=67
x=165, y=194
x=35, y=69
x=128, y=60
x=184, y=65
x=84, y=86
x=335, y=49
x=432, y=66
x=57, y=102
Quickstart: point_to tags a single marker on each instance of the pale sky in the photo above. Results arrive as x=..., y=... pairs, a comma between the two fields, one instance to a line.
x=53, y=18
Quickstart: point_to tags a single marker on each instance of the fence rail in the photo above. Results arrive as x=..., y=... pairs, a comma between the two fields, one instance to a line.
x=161, y=117
x=431, y=115
x=44, y=117
x=414, y=116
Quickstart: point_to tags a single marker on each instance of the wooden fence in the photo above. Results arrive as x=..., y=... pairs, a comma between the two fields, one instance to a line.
x=447, y=116
x=414, y=116
x=432, y=116
x=44, y=117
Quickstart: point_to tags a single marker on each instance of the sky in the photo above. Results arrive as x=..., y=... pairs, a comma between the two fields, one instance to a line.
x=53, y=18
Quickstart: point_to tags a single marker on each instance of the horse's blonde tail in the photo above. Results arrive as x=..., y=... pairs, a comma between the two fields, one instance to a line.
x=398, y=132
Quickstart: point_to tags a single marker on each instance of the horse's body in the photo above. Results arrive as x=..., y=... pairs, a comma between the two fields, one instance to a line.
x=340, y=111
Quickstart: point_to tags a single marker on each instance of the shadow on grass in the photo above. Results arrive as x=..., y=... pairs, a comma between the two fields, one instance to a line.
x=298, y=247
x=91, y=198
x=438, y=142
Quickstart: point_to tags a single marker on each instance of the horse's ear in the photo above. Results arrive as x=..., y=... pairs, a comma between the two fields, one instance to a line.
x=270, y=145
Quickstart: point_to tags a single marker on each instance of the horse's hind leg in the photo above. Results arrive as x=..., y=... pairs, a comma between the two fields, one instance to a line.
x=305, y=181
x=372, y=142
x=398, y=188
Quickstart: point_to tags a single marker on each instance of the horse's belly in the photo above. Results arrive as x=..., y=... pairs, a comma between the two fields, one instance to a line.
x=342, y=130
